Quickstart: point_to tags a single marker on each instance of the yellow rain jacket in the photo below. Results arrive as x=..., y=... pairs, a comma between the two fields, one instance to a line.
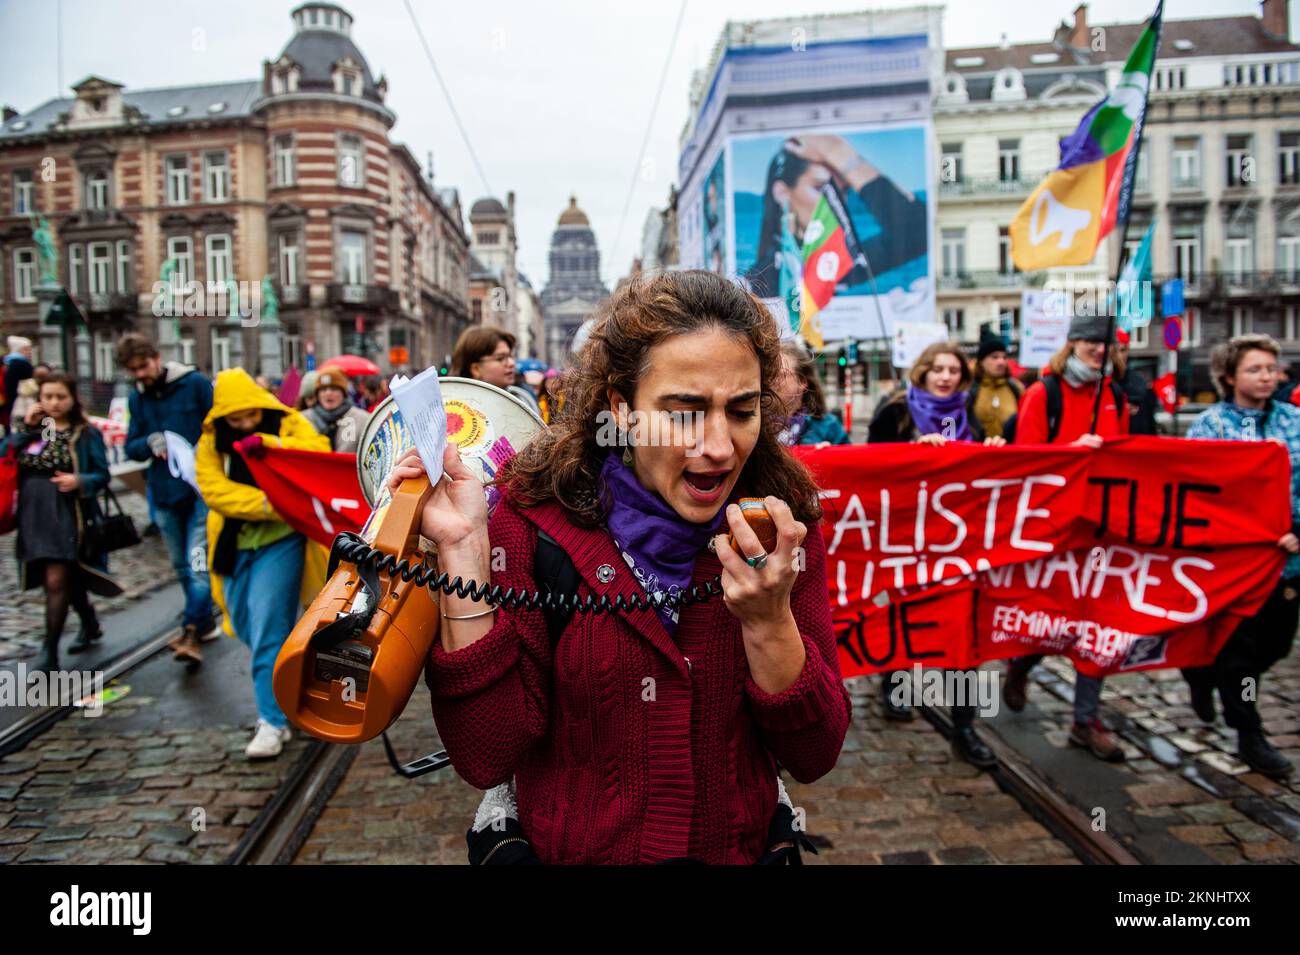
x=236, y=391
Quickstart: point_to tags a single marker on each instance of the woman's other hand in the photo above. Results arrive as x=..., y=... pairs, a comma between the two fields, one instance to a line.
x=1093, y=441
x=1289, y=543
x=456, y=512
x=995, y=441
x=760, y=595
x=935, y=440
x=65, y=482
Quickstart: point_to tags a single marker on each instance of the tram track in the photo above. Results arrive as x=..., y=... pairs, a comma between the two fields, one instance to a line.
x=28, y=727
x=1021, y=781
x=279, y=830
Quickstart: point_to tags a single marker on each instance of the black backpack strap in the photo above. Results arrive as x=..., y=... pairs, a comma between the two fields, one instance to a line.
x=1121, y=400
x=554, y=573
x=1055, y=401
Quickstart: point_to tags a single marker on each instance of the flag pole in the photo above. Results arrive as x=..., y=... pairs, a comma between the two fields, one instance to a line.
x=1128, y=212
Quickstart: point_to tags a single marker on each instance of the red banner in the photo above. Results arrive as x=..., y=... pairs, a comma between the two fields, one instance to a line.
x=316, y=492
x=1144, y=554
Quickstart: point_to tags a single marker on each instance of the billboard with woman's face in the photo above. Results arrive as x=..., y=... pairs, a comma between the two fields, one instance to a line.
x=881, y=176
x=796, y=111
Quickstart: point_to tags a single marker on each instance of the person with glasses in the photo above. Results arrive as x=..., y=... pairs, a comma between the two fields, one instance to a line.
x=1245, y=372
x=487, y=353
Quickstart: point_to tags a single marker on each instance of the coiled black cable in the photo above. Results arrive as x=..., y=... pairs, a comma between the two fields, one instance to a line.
x=355, y=550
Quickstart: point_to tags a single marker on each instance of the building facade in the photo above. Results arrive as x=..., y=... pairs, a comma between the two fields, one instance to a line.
x=1218, y=174
x=575, y=288
x=287, y=185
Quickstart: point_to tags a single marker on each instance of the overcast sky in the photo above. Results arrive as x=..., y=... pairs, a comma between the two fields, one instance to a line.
x=555, y=95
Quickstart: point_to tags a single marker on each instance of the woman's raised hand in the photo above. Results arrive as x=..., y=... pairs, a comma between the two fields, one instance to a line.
x=760, y=596
x=456, y=512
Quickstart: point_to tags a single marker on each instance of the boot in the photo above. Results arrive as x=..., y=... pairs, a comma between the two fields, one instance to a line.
x=1015, y=689
x=90, y=632
x=1203, y=701
x=894, y=712
x=971, y=748
x=1262, y=756
x=187, y=649
x=1097, y=740
x=49, y=659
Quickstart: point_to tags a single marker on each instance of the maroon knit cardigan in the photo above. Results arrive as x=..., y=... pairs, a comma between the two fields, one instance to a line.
x=629, y=745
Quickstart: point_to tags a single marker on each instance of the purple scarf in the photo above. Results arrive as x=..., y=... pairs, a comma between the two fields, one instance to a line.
x=934, y=415
x=793, y=430
x=657, y=544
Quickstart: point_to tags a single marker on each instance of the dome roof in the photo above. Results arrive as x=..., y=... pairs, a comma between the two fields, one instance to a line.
x=573, y=215
x=316, y=47
x=487, y=206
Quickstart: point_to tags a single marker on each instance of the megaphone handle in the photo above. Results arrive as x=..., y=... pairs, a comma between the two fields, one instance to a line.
x=399, y=532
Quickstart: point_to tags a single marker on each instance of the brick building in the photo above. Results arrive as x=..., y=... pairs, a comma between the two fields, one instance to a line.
x=291, y=178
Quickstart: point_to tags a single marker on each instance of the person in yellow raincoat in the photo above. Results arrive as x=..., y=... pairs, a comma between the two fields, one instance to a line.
x=256, y=559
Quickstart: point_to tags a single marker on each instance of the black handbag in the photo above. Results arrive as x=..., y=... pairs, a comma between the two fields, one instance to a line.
x=104, y=531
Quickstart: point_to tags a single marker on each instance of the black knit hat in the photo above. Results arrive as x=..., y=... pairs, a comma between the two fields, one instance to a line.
x=989, y=343
x=1088, y=328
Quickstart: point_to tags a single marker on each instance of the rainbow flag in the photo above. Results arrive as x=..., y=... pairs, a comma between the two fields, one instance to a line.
x=1078, y=204
x=830, y=251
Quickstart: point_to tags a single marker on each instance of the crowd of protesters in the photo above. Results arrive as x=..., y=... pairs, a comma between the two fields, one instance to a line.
x=700, y=341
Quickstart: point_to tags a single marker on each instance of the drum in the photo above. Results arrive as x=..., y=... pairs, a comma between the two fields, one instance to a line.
x=487, y=424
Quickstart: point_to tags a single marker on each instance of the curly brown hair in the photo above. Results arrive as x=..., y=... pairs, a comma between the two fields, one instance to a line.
x=563, y=463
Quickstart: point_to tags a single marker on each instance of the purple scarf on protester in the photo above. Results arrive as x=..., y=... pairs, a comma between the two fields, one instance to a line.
x=654, y=540
x=930, y=414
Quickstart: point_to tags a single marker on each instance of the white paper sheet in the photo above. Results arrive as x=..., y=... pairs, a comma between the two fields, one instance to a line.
x=180, y=458
x=419, y=399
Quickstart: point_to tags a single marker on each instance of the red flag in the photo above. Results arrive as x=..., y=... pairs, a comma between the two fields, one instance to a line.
x=1167, y=392
x=316, y=492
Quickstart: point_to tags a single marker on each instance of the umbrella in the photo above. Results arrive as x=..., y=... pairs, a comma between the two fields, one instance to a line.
x=354, y=365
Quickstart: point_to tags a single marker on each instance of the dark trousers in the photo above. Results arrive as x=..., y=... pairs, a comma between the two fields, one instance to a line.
x=963, y=714
x=1254, y=646
x=1087, y=689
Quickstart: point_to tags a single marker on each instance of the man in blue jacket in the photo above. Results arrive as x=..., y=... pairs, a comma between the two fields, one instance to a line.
x=172, y=397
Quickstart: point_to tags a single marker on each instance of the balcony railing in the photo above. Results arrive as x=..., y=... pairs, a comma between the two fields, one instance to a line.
x=363, y=296
x=1232, y=282
x=990, y=279
x=992, y=187
x=293, y=295
x=110, y=301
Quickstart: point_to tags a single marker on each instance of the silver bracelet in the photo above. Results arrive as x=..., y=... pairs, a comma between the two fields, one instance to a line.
x=468, y=616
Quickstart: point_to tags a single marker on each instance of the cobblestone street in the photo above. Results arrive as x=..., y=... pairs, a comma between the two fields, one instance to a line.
x=138, y=569
x=896, y=796
x=1181, y=776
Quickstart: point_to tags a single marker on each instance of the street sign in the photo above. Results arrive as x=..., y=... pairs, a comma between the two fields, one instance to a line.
x=1173, y=332
x=1171, y=297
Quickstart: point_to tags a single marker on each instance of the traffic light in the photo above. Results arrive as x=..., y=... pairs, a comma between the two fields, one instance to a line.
x=442, y=370
x=842, y=360
x=851, y=349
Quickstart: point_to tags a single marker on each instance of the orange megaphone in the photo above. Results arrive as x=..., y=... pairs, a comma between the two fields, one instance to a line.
x=350, y=664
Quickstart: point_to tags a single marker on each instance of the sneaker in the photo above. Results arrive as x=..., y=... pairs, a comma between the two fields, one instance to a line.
x=1262, y=756
x=187, y=649
x=1097, y=740
x=210, y=631
x=267, y=742
x=1015, y=688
